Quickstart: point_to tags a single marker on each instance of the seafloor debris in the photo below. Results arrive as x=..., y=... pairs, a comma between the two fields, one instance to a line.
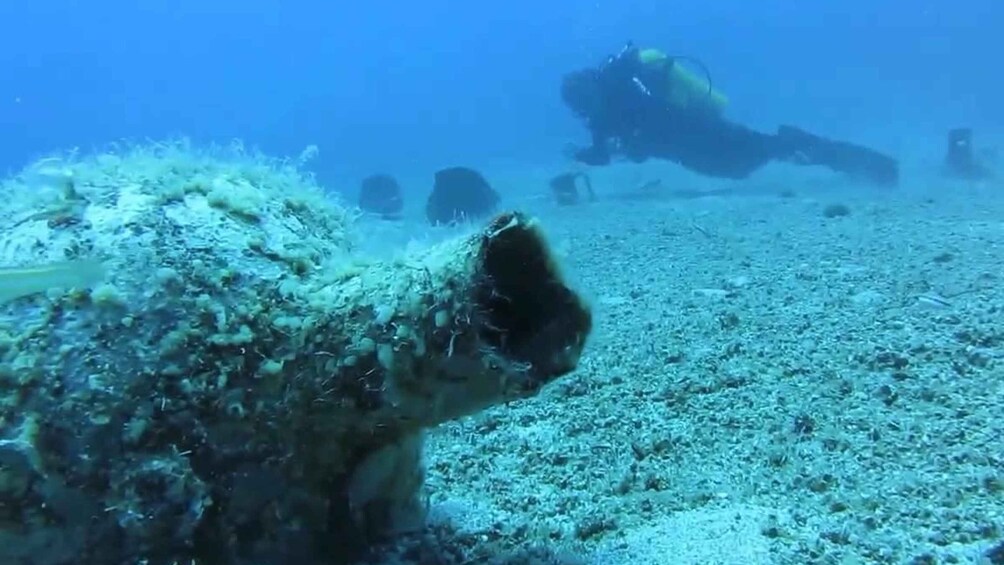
x=565, y=188
x=380, y=194
x=460, y=194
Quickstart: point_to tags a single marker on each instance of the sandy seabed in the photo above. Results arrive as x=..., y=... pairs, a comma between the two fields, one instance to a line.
x=769, y=381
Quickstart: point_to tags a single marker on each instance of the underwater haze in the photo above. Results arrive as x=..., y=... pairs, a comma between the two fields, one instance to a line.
x=398, y=86
x=350, y=282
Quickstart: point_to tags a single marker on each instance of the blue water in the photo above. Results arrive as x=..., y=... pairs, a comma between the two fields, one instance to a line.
x=419, y=85
x=721, y=330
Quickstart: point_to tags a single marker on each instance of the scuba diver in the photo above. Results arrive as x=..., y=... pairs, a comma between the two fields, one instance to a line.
x=642, y=103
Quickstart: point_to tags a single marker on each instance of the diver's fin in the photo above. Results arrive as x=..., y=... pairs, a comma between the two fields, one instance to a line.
x=804, y=148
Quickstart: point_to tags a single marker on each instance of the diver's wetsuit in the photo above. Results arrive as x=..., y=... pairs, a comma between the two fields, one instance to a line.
x=625, y=108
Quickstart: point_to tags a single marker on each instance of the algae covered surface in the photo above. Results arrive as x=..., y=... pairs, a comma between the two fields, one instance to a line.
x=235, y=383
x=107, y=386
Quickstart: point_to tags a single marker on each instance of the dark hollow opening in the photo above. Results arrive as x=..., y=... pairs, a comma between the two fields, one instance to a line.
x=532, y=316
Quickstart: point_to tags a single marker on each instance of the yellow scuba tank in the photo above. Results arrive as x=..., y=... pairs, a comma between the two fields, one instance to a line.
x=685, y=89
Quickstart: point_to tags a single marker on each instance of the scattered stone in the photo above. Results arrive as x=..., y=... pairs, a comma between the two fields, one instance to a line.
x=565, y=188
x=867, y=298
x=719, y=293
x=836, y=211
x=460, y=194
x=380, y=194
x=737, y=282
